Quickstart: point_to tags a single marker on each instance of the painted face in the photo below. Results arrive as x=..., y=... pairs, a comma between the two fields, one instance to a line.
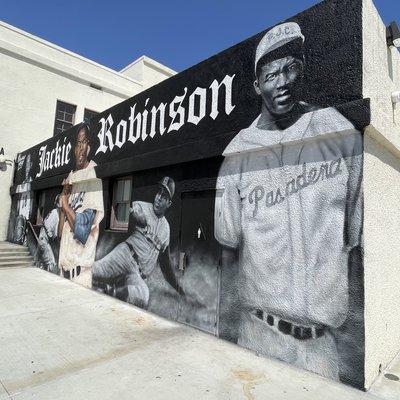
x=161, y=202
x=279, y=83
x=81, y=150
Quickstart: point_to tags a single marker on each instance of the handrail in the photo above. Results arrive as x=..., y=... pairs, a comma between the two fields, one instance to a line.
x=33, y=231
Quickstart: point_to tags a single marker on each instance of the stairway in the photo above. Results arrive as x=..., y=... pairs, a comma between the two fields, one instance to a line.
x=14, y=255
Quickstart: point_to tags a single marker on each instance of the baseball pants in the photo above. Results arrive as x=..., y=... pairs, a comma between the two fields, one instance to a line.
x=79, y=275
x=318, y=355
x=120, y=262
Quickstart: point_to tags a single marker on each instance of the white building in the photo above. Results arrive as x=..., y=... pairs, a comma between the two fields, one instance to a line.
x=45, y=89
x=381, y=77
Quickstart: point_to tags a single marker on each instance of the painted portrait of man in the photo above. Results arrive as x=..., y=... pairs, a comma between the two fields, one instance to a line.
x=290, y=212
x=81, y=211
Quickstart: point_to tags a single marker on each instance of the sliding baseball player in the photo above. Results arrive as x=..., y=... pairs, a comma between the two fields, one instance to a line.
x=134, y=260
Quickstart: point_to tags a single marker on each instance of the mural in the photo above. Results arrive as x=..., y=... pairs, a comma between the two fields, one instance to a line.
x=244, y=211
x=291, y=207
x=81, y=211
x=49, y=234
x=128, y=266
x=24, y=198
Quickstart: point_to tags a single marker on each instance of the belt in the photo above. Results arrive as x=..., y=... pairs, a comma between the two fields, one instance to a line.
x=287, y=328
x=73, y=273
x=136, y=258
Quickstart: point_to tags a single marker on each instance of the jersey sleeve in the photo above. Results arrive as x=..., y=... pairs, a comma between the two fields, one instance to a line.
x=227, y=217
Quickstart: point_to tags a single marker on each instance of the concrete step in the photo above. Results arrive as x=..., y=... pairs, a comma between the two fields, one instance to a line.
x=7, y=253
x=24, y=258
x=13, y=249
x=19, y=264
x=14, y=255
x=4, y=243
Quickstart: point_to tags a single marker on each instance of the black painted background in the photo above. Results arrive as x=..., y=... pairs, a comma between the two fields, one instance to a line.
x=333, y=46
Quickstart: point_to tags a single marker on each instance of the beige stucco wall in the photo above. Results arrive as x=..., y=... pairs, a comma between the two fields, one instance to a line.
x=382, y=254
x=34, y=74
x=147, y=71
x=381, y=76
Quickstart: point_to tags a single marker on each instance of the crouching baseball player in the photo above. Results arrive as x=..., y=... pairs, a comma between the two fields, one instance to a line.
x=135, y=259
x=291, y=210
x=49, y=232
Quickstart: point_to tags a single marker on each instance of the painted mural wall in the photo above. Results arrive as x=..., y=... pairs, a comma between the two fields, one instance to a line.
x=241, y=203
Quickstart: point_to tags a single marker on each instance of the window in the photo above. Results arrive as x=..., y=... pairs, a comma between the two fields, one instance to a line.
x=40, y=209
x=88, y=115
x=65, y=117
x=120, y=203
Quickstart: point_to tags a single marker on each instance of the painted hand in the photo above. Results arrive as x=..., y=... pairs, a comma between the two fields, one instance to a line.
x=138, y=216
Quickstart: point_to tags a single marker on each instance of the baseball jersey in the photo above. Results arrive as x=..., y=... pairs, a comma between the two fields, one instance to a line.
x=86, y=193
x=50, y=223
x=291, y=204
x=24, y=204
x=149, y=241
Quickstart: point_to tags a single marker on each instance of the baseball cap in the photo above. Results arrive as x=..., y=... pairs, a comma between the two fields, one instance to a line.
x=169, y=185
x=276, y=37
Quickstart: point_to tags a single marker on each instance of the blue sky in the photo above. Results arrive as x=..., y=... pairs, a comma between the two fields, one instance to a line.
x=177, y=33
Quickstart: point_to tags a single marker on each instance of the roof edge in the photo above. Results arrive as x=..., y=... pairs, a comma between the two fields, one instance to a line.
x=153, y=63
x=65, y=51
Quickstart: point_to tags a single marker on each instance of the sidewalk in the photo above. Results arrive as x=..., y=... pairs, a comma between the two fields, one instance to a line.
x=59, y=340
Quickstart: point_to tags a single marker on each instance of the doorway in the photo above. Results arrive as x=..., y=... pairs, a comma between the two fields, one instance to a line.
x=199, y=261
